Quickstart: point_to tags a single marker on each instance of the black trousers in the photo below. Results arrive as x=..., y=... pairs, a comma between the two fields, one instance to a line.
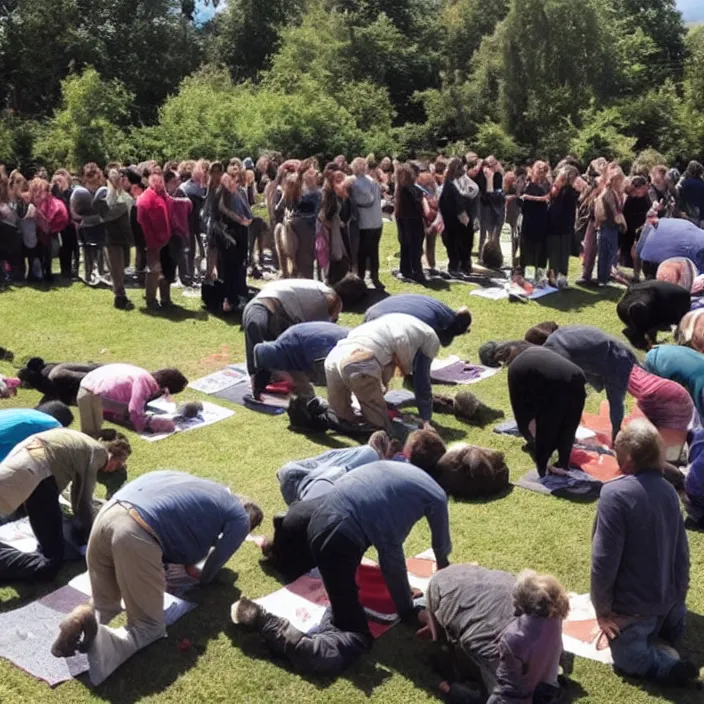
x=411, y=233
x=368, y=256
x=327, y=652
x=459, y=240
x=46, y=519
x=233, y=265
x=555, y=429
x=338, y=558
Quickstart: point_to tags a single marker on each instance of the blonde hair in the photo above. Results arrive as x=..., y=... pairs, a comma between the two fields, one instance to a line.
x=641, y=441
x=614, y=173
x=540, y=595
x=37, y=186
x=359, y=166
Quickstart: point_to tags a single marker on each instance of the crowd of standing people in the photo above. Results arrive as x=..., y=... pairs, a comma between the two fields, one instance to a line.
x=193, y=221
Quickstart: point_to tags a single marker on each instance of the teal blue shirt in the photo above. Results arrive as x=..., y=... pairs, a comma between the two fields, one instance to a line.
x=17, y=424
x=681, y=364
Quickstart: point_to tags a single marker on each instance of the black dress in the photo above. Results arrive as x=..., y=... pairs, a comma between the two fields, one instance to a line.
x=534, y=228
x=635, y=210
x=457, y=238
x=546, y=387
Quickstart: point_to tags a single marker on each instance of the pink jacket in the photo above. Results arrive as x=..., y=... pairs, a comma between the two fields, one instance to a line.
x=154, y=217
x=180, y=209
x=125, y=391
x=55, y=214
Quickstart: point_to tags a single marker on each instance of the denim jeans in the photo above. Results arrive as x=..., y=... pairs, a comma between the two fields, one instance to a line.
x=608, y=249
x=634, y=652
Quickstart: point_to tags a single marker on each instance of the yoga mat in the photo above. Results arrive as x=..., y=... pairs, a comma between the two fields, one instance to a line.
x=304, y=601
x=27, y=634
x=220, y=380
x=453, y=370
x=210, y=414
x=19, y=535
x=502, y=290
x=272, y=404
x=577, y=485
x=581, y=633
x=510, y=427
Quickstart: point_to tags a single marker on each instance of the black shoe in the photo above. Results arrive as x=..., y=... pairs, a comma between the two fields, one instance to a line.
x=123, y=303
x=691, y=524
x=246, y=613
x=683, y=672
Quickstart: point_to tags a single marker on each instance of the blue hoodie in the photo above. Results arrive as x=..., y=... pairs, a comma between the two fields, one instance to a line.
x=298, y=347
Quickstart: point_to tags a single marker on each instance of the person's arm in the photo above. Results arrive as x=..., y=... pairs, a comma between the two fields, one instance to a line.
x=616, y=394
x=422, y=385
x=392, y=562
x=83, y=486
x=439, y=522
x=113, y=212
x=233, y=534
x=222, y=206
x=142, y=391
x=607, y=550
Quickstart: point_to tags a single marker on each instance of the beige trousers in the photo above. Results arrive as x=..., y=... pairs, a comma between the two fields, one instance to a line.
x=90, y=409
x=361, y=375
x=124, y=564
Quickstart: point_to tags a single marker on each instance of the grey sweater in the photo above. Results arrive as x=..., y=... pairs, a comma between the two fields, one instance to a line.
x=640, y=553
x=366, y=196
x=378, y=504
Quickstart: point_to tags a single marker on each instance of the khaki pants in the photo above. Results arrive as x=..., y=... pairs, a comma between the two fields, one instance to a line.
x=90, y=409
x=154, y=275
x=361, y=375
x=116, y=260
x=125, y=562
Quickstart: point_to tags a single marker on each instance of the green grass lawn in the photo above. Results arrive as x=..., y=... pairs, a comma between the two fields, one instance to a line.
x=224, y=665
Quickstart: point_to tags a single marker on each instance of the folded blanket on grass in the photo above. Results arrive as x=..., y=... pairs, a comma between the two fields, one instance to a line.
x=578, y=485
x=453, y=370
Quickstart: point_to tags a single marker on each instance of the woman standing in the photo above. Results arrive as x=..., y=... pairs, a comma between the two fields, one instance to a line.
x=329, y=244
x=69, y=251
x=10, y=237
x=635, y=212
x=433, y=220
x=116, y=215
x=52, y=218
x=455, y=205
x=365, y=194
x=410, y=222
x=609, y=222
x=493, y=209
x=235, y=218
x=534, y=227
x=562, y=213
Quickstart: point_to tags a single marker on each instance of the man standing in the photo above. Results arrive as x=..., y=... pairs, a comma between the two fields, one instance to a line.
x=161, y=517
x=640, y=562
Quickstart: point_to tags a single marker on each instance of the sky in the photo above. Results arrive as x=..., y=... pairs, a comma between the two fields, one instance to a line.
x=692, y=10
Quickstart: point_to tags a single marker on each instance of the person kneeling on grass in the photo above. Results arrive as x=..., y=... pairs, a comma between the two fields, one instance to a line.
x=34, y=474
x=364, y=362
x=278, y=306
x=160, y=517
x=640, y=563
x=301, y=480
x=694, y=481
x=446, y=322
x=299, y=352
x=375, y=506
x=547, y=395
x=120, y=393
x=649, y=307
x=501, y=633
x=17, y=424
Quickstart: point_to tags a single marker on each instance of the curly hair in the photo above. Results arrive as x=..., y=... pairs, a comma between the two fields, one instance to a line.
x=469, y=472
x=540, y=595
x=494, y=354
x=540, y=332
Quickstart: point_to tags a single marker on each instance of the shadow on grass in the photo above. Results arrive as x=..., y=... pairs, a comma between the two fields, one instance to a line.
x=177, y=314
x=158, y=666
x=372, y=297
x=575, y=300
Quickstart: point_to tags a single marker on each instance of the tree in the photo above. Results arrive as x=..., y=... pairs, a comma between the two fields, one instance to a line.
x=694, y=69
x=89, y=124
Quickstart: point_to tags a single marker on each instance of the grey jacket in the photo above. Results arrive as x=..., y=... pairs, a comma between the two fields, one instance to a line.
x=365, y=194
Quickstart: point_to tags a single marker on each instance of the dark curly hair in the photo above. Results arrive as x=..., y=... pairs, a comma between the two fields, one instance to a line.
x=423, y=449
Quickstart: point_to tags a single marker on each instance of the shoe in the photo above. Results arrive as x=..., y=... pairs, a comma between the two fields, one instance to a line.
x=378, y=285
x=246, y=612
x=76, y=632
x=419, y=279
x=154, y=306
x=683, y=672
x=542, y=282
x=562, y=282
x=123, y=303
x=454, y=273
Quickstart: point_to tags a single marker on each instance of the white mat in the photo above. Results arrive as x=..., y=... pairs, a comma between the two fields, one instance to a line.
x=581, y=633
x=219, y=381
x=210, y=414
